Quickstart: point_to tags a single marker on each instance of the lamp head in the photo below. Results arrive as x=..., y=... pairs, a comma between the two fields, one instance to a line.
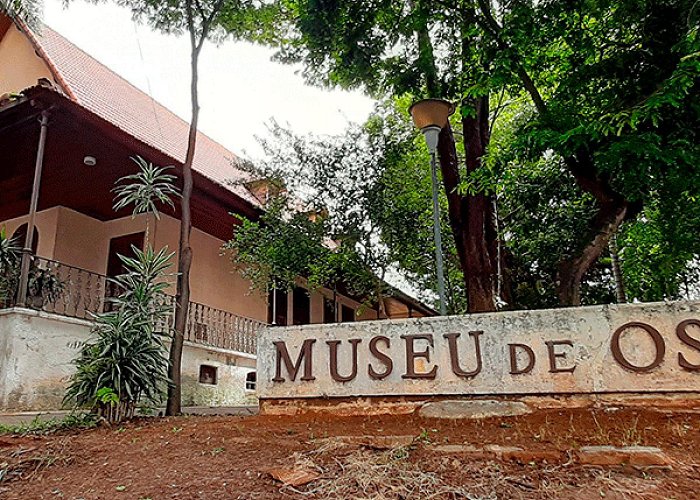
x=431, y=112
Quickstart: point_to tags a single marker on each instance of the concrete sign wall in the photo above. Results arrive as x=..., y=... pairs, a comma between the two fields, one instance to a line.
x=628, y=348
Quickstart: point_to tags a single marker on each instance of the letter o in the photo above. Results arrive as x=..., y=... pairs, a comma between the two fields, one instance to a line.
x=659, y=345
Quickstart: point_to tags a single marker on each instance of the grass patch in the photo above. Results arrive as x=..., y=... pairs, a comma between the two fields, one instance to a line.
x=39, y=426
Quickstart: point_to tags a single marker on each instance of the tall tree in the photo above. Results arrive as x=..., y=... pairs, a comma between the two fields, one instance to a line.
x=371, y=185
x=417, y=48
x=201, y=20
x=610, y=84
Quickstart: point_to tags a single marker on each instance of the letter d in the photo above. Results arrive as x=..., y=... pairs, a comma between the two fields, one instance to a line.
x=513, y=348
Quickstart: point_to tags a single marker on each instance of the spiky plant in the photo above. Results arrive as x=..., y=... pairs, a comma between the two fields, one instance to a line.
x=147, y=188
x=124, y=361
x=10, y=255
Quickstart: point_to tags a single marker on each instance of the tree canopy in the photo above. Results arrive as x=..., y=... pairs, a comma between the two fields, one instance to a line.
x=589, y=123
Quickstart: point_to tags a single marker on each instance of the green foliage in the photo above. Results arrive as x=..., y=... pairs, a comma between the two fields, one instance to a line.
x=107, y=396
x=372, y=186
x=324, y=235
x=145, y=189
x=205, y=19
x=42, y=284
x=40, y=426
x=591, y=100
x=27, y=11
x=660, y=261
x=10, y=254
x=124, y=363
x=275, y=250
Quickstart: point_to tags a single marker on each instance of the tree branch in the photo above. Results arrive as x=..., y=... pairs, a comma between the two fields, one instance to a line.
x=490, y=24
x=207, y=23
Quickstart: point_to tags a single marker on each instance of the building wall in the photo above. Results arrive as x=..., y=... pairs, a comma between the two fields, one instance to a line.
x=37, y=350
x=78, y=240
x=46, y=222
x=81, y=241
x=213, y=279
x=17, y=52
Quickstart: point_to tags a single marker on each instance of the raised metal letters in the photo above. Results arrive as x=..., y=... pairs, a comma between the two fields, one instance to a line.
x=659, y=345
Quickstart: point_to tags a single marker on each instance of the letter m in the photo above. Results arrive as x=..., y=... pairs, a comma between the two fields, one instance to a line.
x=305, y=357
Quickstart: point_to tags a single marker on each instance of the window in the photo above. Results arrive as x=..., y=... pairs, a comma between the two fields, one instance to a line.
x=277, y=307
x=207, y=374
x=329, y=307
x=348, y=314
x=122, y=245
x=301, y=313
x=250, y=381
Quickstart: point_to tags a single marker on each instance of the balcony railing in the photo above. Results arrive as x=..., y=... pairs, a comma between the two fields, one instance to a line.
x=206, y=325
x=69, y=291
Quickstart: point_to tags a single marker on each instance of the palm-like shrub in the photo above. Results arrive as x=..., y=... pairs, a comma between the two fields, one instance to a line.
x=10, y=255
x=124, y=363
x=144, y=190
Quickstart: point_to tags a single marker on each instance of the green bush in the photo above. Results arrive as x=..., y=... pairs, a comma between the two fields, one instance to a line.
x=124, y=362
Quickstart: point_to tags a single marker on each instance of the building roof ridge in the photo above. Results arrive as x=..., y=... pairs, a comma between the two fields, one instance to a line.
x=100, y=89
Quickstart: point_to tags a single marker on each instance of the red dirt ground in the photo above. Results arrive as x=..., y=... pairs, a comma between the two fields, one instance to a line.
x=230, y=458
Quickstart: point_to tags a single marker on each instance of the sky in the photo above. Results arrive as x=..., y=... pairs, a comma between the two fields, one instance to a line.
x=240, y=88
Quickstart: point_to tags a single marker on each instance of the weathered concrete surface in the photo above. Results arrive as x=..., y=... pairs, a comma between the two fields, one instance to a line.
x=585, y=366
x=231, y=372
x=671, y=403
x=37, y=350
x=483, y=408
x=36, y=353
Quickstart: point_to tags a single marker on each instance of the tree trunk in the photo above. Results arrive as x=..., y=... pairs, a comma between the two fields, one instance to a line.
x=482, y=241
x=471, y=216
x=456, y=203
x=572, y=269
x=613, y=209
x=174, y=404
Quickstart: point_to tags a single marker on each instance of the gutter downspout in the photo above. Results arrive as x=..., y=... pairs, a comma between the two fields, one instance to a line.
x=29, y=238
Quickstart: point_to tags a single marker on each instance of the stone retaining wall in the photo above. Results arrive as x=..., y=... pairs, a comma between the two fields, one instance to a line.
x=634, y=348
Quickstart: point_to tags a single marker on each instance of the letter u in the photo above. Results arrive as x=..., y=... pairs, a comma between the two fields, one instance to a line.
x=454, y=354
x=333, y=346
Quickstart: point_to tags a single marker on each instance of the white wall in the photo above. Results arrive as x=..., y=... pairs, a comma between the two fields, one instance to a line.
x=37, y=350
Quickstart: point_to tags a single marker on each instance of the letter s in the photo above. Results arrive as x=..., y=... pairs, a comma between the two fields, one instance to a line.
x=684, y=336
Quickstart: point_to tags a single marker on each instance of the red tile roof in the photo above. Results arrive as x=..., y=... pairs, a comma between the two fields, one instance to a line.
x=103, y=92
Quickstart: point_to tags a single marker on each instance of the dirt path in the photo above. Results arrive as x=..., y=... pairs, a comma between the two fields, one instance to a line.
x=231, y=457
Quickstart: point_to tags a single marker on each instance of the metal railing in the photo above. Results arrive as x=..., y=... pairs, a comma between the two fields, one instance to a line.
x=66, y=290
x=70, y=291
x=214, y=327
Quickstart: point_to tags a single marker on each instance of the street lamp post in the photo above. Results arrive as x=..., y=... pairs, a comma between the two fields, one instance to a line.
x=430, y=116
